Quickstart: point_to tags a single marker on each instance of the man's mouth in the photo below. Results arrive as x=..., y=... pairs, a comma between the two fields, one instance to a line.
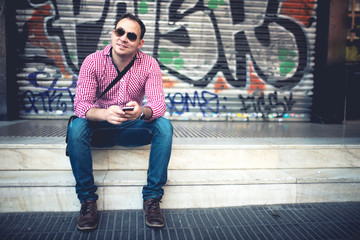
x=122, y=45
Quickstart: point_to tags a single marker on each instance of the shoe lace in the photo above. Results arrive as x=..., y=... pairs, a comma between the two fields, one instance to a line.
x=87, y=207
x=154, y=205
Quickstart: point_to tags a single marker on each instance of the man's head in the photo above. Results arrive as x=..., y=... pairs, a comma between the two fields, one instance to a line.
x=136, y=19
x=127, y=36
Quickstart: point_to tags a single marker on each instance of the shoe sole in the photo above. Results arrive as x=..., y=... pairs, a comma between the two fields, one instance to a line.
x=87, y=228
x=155, y=225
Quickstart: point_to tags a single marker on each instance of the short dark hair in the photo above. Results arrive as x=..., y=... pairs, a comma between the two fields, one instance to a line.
x=136, y=19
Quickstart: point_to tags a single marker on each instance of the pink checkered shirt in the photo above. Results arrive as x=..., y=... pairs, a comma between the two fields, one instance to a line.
x=144, y=78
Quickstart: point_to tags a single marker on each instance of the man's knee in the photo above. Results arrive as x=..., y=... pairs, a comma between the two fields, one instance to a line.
x=165, y=127
x=78, y=129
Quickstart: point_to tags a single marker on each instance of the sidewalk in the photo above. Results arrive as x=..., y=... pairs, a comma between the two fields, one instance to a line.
x=288, y=222
x=264, y=221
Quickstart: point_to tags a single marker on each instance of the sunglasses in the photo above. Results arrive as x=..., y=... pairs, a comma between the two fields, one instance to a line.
x=130, y=35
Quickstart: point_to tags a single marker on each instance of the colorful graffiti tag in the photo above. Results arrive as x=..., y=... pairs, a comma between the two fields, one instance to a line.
x=220, y=59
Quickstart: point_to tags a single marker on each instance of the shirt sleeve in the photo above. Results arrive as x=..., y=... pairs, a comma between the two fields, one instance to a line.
x=86, y=88
x=154, y=92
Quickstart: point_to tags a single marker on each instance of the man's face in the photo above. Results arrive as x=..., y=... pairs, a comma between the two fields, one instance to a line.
x=122, y=38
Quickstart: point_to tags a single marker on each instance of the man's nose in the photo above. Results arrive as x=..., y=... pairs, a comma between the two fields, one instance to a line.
x=124, y=38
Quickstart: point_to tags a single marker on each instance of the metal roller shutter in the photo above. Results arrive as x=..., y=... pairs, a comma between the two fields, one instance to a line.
x=235, y=60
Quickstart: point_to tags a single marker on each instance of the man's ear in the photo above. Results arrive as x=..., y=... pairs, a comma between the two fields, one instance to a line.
x=140, y=44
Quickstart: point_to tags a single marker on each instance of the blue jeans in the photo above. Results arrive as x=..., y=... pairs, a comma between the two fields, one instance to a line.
x=82, y=134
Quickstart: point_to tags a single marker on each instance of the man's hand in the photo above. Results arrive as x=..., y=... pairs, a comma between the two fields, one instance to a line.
x=114, y=114
x=134, y=114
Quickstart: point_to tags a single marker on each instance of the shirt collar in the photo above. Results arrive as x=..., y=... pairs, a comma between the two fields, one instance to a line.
x=109, y=53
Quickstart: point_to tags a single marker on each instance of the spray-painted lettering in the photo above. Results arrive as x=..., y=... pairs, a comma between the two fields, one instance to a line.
x=180, y=102
x=206, y=46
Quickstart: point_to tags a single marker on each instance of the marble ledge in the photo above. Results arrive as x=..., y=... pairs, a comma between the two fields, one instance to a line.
x=184, y=177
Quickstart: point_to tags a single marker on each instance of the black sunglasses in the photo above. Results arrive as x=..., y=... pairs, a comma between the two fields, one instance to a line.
x=130, y=35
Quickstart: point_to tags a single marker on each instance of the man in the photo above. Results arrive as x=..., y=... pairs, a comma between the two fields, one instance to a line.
x=103, y=122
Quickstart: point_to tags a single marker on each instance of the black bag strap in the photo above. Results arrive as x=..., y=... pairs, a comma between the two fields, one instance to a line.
x=120, y=75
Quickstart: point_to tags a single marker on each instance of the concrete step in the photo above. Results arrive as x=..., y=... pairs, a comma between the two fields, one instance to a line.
x=189, y=154
x=24, y=191
x=212, y=165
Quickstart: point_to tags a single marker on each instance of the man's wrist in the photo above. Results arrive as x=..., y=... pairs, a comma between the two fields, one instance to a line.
x=142, y=115
x=146, y=114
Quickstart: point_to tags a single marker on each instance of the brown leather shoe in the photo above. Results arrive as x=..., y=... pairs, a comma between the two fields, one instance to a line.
x=153, y=215
x=88, y=218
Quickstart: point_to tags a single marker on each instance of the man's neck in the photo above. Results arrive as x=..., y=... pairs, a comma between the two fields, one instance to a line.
x=121, y=61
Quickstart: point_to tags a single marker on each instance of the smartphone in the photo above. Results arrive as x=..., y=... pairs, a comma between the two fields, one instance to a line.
x=127, y=109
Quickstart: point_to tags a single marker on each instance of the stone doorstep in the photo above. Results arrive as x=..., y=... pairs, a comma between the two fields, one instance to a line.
x=51, y=199
x=22, y=191
x=188, y=158
x=123, y=178
x=190, y=154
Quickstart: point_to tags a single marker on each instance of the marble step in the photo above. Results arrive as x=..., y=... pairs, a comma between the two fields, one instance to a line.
x=188, y=155
x=33, y=191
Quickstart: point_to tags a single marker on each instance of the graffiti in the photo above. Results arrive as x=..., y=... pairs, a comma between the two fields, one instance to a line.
x=290, y=46
x=209, y=46
x=184, y=100
x=35, y=35
x=167, y=57
x=267, y=107
x=256, y=105
x=49, y=76
x=46, y=101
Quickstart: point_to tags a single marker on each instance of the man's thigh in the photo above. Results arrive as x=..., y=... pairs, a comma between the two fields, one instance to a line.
x=131, y=134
